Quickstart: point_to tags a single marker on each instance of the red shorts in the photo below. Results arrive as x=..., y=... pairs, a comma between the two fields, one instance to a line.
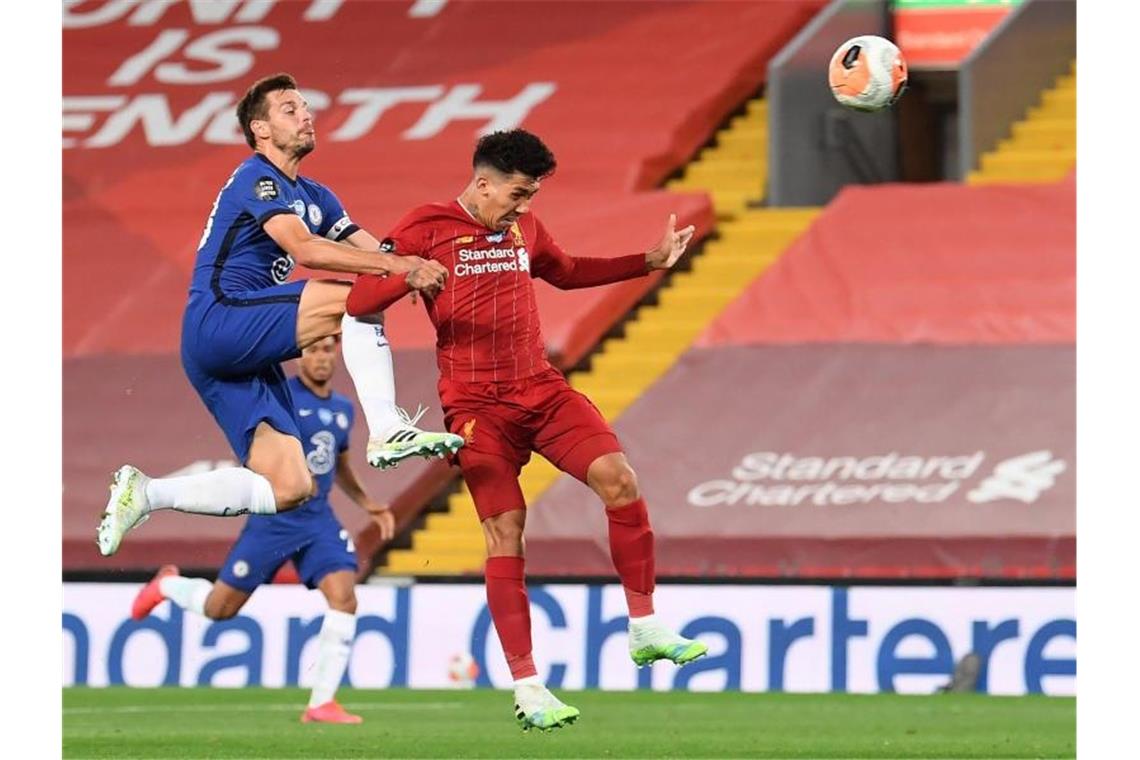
x=502, y=423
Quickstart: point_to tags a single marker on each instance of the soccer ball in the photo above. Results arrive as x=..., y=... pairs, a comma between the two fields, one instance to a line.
x=867, y=73
x=462, y=670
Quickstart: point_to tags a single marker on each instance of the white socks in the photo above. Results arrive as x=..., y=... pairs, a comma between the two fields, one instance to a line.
x=334, y=645
x=187, y=593
x=645, y=621
x=368, y=358
x=228, y=492
x=528, y=681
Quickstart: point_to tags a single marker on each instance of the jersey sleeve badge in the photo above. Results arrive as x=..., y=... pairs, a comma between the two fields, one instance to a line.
x=265, y=189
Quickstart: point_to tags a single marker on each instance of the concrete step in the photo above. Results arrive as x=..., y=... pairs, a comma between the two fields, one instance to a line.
x=461, y=520
x=1065, y=141
x=1048, y=126
x=1028, y=158
x=748, y=137
x=1055, y=110
x=731, y=203
x=755, y=245
x=1063, y=95
x=791, y=217
x=404, y=562
x=628, y=357
x=435, y=542
x=750, y=152
x=1019, y=175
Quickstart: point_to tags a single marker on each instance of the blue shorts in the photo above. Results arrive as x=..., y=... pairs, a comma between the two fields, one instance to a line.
x=318, y=545
x=232, y=351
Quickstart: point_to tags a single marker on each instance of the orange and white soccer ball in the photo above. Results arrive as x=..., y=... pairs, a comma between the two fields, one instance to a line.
x=462, y=670
x=867, y=73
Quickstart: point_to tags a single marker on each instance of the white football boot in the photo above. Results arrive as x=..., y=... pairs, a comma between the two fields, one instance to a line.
x=536, y=707
x=126, y=508
x=406, y=440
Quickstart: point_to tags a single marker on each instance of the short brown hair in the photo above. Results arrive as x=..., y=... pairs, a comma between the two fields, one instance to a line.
x=253, y=106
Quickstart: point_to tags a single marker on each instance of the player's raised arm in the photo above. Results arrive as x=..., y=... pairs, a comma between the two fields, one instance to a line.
x=571, y=272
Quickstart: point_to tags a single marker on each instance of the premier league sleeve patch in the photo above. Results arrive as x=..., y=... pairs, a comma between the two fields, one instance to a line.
x=388, y=245
x=265, y=189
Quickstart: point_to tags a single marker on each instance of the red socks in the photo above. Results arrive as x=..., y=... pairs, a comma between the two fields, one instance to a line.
x=631, y=548
x=510, y=611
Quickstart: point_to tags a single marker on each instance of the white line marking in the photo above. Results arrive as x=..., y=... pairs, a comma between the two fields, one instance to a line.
x=404, y=706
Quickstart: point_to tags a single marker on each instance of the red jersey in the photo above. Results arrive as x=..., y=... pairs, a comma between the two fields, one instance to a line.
x=486, y=319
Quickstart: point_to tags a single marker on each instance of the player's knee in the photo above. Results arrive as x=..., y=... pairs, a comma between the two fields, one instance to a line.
x=504, y=534
x=617, y=486
x=292, y=488
x=343, y=602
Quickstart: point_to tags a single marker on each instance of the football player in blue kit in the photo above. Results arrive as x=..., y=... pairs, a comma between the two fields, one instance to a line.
x=310, y=535
x=244, y=318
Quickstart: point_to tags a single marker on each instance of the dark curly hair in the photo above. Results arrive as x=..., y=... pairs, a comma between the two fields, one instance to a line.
x=515, y=151
x=253, y=104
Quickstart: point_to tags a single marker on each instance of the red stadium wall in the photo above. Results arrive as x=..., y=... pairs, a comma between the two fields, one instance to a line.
x=151, y=138
x=943, y=264
x=895, y=397
x=623, y=93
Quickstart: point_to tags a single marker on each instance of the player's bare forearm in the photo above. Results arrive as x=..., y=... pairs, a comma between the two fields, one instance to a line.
x=349, y=482
x=319, y=253
x=381, y=514
x=314, y=252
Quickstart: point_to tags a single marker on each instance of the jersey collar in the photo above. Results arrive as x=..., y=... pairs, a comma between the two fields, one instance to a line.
x=273, y=166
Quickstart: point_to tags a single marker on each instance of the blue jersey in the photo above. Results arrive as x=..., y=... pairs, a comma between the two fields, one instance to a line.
x=325, y=425
x=309, y=535
x=235, y=254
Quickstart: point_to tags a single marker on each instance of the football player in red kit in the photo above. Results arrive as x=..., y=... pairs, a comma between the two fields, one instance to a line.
x=499, y=391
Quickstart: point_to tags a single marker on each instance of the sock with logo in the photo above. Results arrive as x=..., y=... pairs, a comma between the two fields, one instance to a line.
x=225, y=493
x=368, y=357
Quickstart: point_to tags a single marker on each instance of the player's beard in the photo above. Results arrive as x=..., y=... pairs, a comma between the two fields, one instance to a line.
x=304, y=148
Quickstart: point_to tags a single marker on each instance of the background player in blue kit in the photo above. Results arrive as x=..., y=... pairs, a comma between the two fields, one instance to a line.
x=243, y=318
x=311, y=536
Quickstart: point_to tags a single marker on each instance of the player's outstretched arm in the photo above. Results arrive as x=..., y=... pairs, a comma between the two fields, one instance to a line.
x=567, y=272
x=348, y=482
x=316, y=252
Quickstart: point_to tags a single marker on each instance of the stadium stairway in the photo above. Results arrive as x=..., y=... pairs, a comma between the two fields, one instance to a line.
x=1042, y=147
x=733, y=170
